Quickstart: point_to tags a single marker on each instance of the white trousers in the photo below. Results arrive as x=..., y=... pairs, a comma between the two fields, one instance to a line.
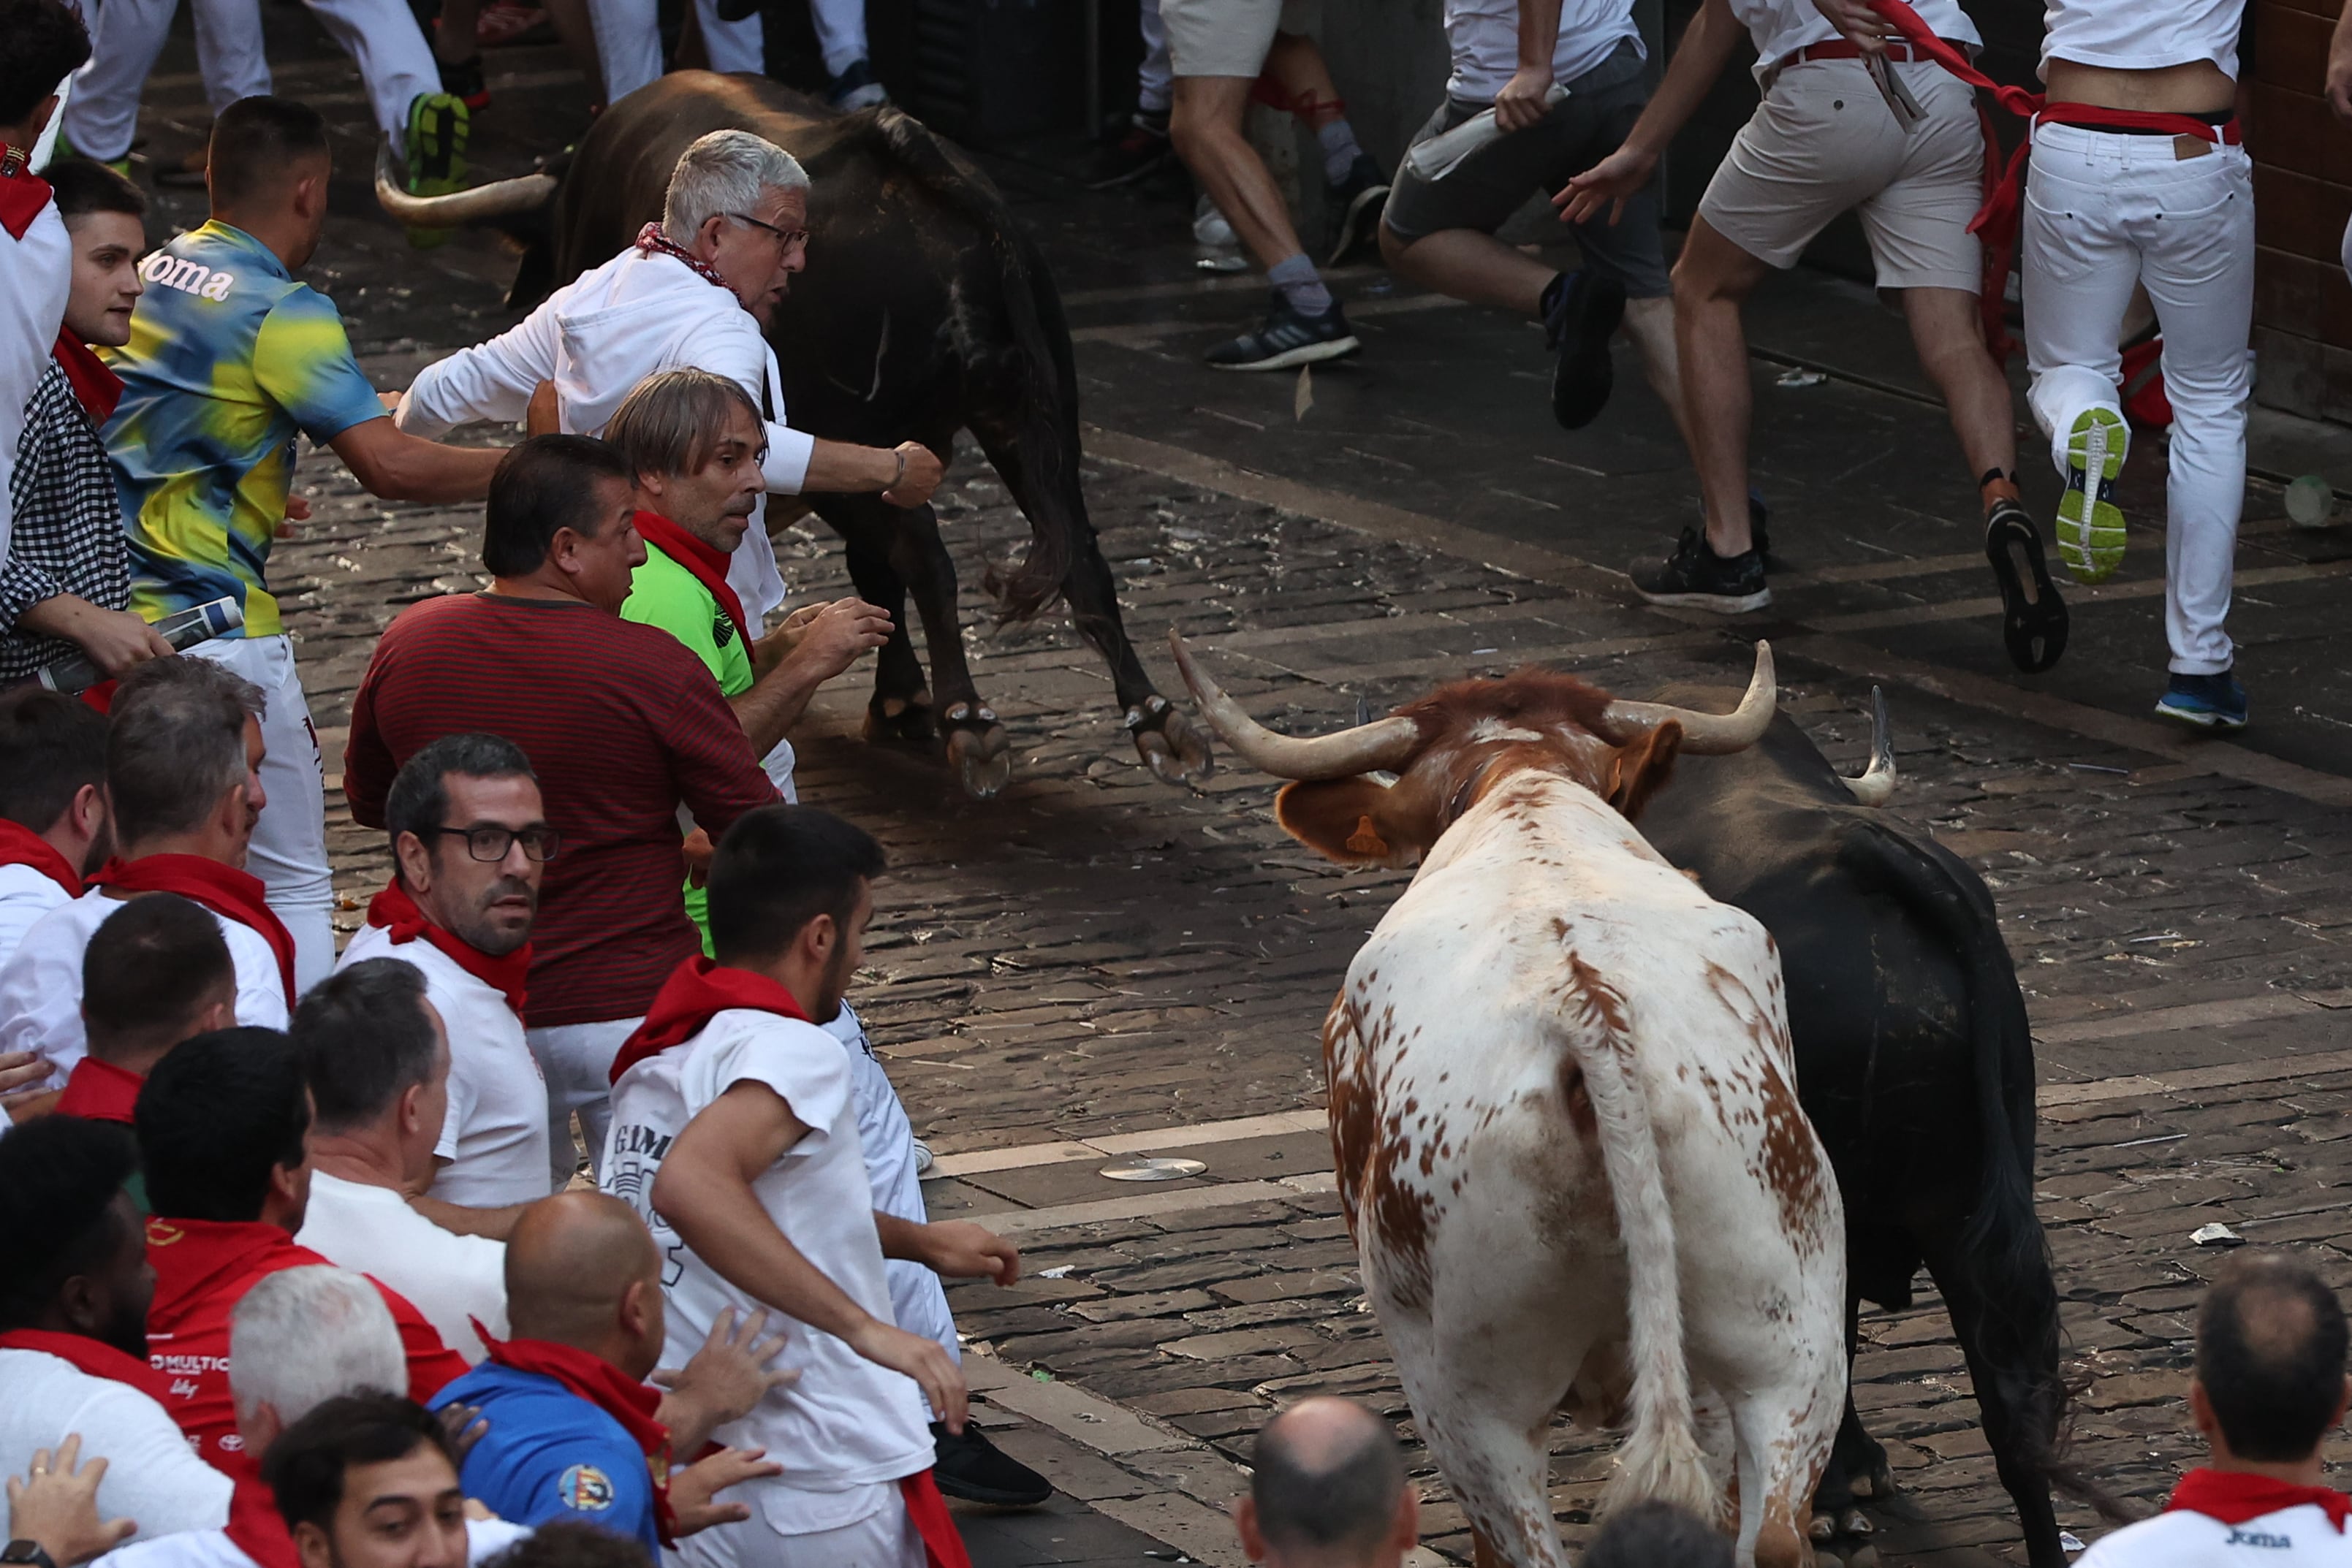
x=1155, y=84
x=289, y=840
x=2103, y=212
x=886, y=1538
x=840, y=32
x=380, y=35
x=576, y=1059
x=628, y=42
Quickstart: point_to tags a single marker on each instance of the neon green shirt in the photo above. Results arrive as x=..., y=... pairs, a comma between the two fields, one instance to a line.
x=665, y=594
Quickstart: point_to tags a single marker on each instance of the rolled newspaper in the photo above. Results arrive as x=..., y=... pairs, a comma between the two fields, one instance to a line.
x=1441, y=155
x=197, y=624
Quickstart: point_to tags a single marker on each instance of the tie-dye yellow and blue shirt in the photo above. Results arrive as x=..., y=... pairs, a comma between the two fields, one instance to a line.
x=229, y=357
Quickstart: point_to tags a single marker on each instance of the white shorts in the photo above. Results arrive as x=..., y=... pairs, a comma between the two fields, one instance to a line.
x=885, y=1538
x=1230, y=37
x=1823, y=142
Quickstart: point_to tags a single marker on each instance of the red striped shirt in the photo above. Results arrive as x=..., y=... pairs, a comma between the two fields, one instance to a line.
x=622, y=724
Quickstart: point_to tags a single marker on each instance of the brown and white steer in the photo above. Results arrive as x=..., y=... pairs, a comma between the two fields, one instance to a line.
x=1564, y=1115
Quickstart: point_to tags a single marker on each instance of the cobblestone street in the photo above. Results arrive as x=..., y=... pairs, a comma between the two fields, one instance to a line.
x=1096, y=965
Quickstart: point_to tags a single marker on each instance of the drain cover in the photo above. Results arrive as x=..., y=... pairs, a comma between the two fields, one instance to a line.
x=1153, y=1168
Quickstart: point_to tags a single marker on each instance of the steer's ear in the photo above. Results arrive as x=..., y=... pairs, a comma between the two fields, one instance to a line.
x=1356, y=822
x=1640, y=769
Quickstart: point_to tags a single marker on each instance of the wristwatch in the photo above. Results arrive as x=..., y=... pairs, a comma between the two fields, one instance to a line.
x=26, y=1552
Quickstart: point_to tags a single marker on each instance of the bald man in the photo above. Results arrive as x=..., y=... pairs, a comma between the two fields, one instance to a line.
x=575, y=1430
x=1328, y=1492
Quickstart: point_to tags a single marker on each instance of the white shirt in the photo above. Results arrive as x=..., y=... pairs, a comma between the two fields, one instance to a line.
x=1782, y=27
x=918, y=1302
x=152, y=1474
x=485, y=1539
x=2298, y=1537
x=596, y=338
x=1485, y=37
x=40, y=984
x=2132, y=36
x=449, y=1278
x=26, y=895
x=35, y=273
x=848, y=1427
x=494, y=1135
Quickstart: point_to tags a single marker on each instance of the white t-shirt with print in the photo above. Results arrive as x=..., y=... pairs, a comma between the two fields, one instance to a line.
x=2298, y=1537
x=848, y=1429
x=449, y=1278
x=495, y=1132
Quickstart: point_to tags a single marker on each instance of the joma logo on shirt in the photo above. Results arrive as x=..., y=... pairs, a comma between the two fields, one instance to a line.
x=2260, y=1538
x=168, y=271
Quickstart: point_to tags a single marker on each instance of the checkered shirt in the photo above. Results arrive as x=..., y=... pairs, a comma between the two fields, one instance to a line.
x=69, y=536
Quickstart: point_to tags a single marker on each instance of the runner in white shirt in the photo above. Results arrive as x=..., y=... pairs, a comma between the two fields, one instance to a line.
x=465, y=816
x=1826, y=140
x=52, y=805
x=377, y=1060
x=46, y=43
x=695, y=290
x=2268, y=1388
x=727, y=1078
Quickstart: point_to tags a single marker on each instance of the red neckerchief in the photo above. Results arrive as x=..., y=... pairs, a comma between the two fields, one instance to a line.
x=92, y=1356
x=2233, y=1496
x=395, y=911
x=942, y=1545
x=651, y=239
x=255, y=1527
x=19, y=845
x=99, y=1091
x=1996, y=222
x=97, y=387
x=607, y=1388
x=23, y=193
x=708, y=566
x=225, y=890
x=697, y=991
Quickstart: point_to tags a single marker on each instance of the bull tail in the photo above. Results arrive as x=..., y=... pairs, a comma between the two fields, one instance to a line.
x=1661, y=1457
x=1038, y=379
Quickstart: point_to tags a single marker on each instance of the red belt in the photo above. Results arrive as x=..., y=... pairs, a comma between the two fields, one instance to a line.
x=1996, y=222
x=1846, y=49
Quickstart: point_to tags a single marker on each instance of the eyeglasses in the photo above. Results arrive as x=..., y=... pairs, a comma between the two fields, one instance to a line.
x=492, y=843
x=785, y=238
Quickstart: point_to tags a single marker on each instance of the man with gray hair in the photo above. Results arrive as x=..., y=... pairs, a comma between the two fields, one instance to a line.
x=1327, y=1490
x=695, y=289
x=183, y=771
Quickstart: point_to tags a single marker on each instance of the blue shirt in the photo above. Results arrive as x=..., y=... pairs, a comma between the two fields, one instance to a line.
x=550, y=1455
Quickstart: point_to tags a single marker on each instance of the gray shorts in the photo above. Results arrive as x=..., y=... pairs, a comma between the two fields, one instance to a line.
x=1485, y=188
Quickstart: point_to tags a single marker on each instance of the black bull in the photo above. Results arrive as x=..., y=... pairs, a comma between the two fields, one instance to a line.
x=924, y=309
x=1902, y=1008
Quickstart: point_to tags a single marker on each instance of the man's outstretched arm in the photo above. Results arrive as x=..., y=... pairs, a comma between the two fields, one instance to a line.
x=1706, y=44
x=395, y=466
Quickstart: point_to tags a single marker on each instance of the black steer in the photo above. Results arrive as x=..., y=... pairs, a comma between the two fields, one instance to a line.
x=1905, y=1013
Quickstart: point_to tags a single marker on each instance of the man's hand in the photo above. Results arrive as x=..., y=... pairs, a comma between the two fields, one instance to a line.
x=830, y=641
x=700, y=852
x=543, y=415
x=962, y=1250
x=729, y=1374
x=924, y=1360
x=1612, y=181
x=1858, y=22
x=1521, y=103
x=59, y=1508
x=788, y=635
x=466, y=1425
x=922, y=476
x=690, y=1490
x=22, y=1073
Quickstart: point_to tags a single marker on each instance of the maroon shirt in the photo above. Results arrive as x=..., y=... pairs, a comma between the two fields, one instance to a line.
x=622, y=724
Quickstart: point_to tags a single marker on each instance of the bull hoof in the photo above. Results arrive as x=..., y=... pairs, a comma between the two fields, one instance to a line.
x=1172, y=746
x=979, y=749
x=903, y=721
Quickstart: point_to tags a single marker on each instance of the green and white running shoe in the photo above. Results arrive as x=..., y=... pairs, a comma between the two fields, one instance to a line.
x=2090, y=524
x=439, y=125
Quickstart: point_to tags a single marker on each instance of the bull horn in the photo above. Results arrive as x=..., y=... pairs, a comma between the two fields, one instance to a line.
x=499, y=199
x=1365, y=749
x=1876, y=785
x=1703, y=734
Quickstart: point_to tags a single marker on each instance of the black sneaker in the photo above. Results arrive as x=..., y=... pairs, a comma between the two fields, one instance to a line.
x=464, y=81
x=1759, y=524
x=1696, y=577
x=1288, y=338
x=2033, y=618
x=1357, y=203
x=1142, y=148
x=972, y=1468
x=855, y=89
x=1584, y=313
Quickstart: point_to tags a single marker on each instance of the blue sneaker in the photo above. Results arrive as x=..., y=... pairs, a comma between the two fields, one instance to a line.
x=2206, y=701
